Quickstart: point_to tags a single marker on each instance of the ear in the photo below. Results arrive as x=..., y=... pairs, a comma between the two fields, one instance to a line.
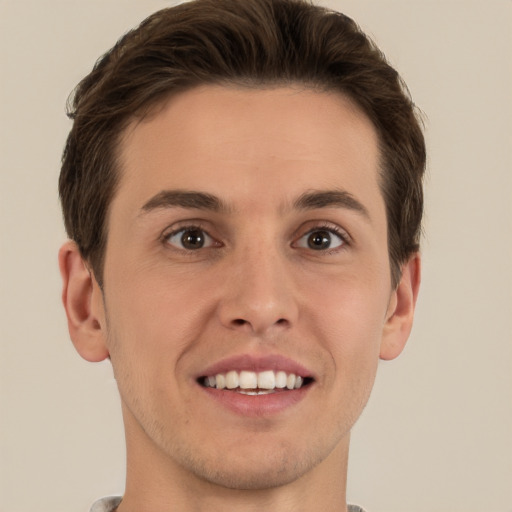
x=83, y=302
x=400, y=312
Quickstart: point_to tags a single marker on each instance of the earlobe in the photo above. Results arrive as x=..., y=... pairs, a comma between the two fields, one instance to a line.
x=82, y=300
x=400, y=313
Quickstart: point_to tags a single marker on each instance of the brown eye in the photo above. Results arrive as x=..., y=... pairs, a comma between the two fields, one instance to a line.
x=321, y=240
x=190, y=239
x=193, y=239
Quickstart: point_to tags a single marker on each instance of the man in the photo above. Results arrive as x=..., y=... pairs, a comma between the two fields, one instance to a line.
x=242, y=190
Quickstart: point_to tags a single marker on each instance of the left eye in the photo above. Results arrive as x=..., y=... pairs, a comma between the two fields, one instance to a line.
x=190, y=239
x=320, y=240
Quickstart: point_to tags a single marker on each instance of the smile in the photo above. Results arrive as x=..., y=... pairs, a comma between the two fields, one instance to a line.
x=255, y=386
x=255, y=383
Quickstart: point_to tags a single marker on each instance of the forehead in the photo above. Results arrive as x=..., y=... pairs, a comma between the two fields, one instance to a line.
x=240, y=143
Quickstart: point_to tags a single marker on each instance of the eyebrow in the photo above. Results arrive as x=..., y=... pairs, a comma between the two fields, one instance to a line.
x=330, y=198
x=203, y=201
x=185, y=199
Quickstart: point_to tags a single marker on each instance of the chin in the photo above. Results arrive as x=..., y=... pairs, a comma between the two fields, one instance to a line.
x=254, y=469
x=254, y=479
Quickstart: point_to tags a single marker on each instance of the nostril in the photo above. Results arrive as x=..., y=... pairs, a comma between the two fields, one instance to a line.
x=241, y=321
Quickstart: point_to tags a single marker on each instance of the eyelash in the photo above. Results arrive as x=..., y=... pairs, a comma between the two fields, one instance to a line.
x=333, y=229
x=166, y=236
x=330, y=228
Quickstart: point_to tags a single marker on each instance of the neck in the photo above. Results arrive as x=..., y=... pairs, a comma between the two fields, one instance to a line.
x=156, y=483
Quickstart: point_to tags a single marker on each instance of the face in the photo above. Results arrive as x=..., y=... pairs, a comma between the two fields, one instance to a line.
x=247, y=254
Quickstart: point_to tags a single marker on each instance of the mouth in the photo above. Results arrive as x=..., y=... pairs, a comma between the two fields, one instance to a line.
x=255, y=383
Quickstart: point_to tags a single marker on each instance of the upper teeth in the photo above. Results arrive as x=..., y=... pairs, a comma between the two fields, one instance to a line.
x=254, y=380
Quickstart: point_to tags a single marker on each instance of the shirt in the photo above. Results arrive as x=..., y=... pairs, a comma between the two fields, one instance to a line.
x=110, y=503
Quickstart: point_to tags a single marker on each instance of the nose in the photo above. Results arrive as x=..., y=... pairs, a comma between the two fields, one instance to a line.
x=259, y=295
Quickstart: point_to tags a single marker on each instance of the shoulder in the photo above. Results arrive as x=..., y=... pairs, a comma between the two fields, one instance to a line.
x=108, y=504
x=355, y=508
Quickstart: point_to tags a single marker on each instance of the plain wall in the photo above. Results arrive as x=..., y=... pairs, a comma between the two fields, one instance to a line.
x=437, y=433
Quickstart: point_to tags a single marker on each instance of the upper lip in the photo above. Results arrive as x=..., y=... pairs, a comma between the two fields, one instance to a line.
x=252, y=363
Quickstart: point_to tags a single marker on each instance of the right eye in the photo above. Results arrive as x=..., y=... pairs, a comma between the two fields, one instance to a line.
x=190, y=239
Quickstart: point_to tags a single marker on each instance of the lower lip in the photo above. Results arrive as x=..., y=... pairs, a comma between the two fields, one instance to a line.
x=257, y=405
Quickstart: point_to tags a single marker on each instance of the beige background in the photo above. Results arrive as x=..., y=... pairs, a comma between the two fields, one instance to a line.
x=437, y=434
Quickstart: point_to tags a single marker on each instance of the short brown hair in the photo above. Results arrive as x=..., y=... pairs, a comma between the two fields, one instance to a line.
x=250, y=42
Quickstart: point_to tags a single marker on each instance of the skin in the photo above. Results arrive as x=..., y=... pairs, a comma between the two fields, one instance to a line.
x=166, y=312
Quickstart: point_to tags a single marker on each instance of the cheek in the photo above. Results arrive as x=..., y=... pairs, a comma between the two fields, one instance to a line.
x=152, y=321
x=350, y=313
